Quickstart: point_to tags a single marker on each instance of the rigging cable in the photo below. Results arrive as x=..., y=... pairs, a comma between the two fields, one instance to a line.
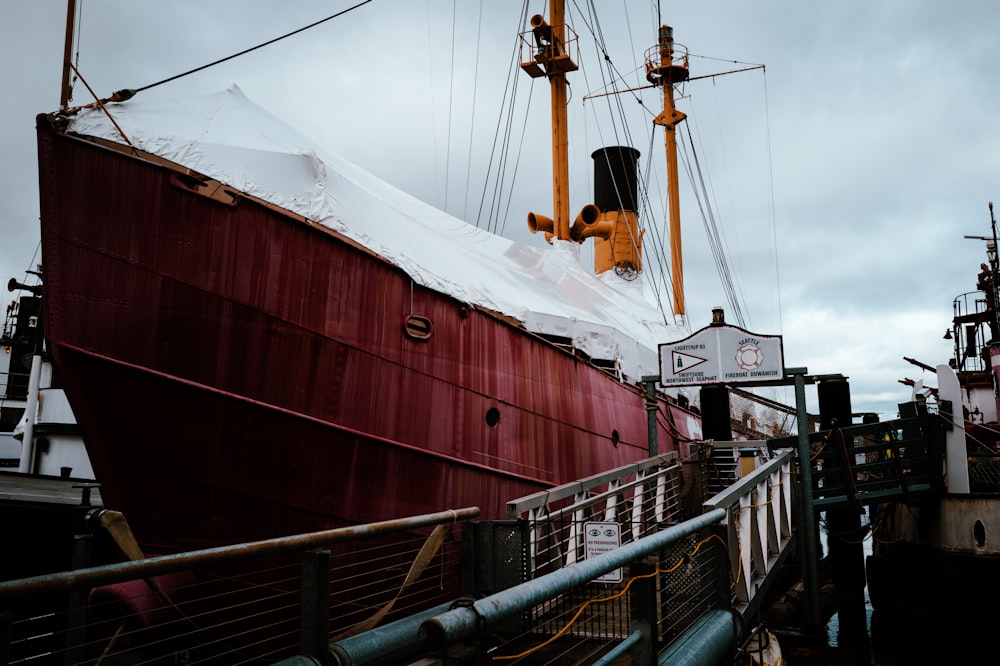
x=716, y=239
x=665, y=272
x=616, y=110
x=499, y=208
x=472, y=123
x=451, y=106
x=252, y=48
x=770, y=182
x=513, y=176
x=510, y=88
x=430, y=70
x=734, y=225
x=708, y=219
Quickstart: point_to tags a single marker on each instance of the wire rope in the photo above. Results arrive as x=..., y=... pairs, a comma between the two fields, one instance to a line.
x=253, y=48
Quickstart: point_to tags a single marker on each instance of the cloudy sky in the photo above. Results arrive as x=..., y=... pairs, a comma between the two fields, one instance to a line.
x=842, y=177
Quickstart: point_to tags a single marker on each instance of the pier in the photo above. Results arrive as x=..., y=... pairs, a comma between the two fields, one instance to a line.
x=642, y=564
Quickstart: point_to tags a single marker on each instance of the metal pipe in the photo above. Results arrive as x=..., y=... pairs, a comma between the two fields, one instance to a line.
x=156, y=566
x=461, y=623
x=31, y=409
x=709, y=642
x=651, y=408
x=619, y=649
x=589, y=222
x=389, y=644
x=810, y=570
x=299, y=660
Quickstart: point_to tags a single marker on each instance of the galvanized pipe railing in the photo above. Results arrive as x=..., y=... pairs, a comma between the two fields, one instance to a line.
x=155, y=566
x=462, y=623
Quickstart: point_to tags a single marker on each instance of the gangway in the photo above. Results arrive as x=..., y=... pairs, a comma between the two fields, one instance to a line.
x=605, y=568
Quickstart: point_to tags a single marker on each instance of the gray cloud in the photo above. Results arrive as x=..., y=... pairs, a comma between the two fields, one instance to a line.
x=845, y=177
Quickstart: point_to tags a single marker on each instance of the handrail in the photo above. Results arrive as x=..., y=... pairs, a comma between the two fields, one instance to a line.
x=537, y=500
x=732, y=493
x=758, y=522
x=855, y=430
x=155, y=566
x=464, y=622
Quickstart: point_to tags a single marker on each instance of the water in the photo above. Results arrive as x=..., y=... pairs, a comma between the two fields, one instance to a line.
x=902, y=637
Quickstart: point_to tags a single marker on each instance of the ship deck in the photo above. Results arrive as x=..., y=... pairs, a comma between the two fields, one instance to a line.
x=20, y=489
x=41, y=516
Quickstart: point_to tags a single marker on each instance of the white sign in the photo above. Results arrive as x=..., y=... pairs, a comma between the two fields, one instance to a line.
x=721, y=355
x=599, y=538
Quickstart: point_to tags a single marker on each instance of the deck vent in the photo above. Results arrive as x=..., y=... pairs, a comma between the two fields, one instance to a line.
x=417, y=327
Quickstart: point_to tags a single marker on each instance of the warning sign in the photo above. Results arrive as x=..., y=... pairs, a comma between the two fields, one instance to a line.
x=722, y=355
x=600, y=538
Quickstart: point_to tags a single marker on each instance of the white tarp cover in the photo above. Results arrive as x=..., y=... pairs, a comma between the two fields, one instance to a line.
x=229, y=138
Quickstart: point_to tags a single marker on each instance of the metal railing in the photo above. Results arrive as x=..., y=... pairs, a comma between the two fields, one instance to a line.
x=758, y=525
x=671, y=577
x=579, y=520
x=253, y=602
x=329, y=596
x=637, y=499
x=478, y=621
x=876, y=462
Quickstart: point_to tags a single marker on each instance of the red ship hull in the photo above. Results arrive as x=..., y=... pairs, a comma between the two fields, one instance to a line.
x=239, y=373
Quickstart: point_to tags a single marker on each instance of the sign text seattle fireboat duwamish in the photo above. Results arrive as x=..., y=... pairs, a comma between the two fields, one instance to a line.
x=722, y=354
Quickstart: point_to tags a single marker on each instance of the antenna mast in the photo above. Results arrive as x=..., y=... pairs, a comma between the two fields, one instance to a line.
x=67, y=54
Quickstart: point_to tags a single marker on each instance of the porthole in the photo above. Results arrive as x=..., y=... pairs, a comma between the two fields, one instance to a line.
x=615, y=438
x=979, y=533
x=492, y=417
x=417, y=327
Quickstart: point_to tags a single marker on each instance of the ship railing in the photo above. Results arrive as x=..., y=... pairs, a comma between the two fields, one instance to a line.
x=983, y=443
x=13, y=399
x=13, y=387
x=971, y=331
x=542, y=53
x=266, y=600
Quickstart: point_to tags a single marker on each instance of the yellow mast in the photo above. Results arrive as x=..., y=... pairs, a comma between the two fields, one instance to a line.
x=560, y=136
x=618, y=241
x=665, y=67
x=548, y=54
